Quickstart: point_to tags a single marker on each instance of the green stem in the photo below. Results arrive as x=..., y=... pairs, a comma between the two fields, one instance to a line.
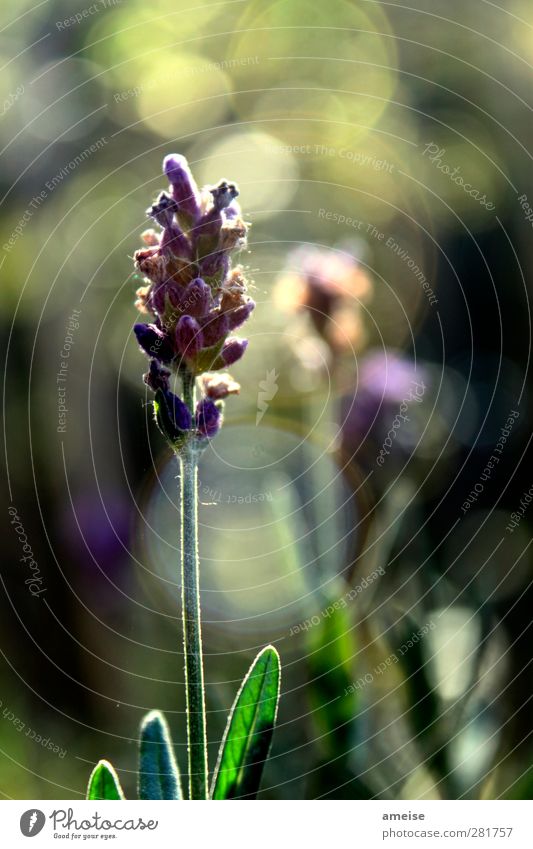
x=192, y=632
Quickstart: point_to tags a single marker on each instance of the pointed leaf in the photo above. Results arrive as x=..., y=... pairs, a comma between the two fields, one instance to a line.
x=424, y=711
x=104, y=783
x=330, y=658
x=246, y=743
x=159, y=776
x=331, y=652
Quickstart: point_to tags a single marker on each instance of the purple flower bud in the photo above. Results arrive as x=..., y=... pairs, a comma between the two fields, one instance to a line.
x=233, y=210
x=189, y=336
x=238, y=316
x=157, y=376
x=163, y=210
x=223, y=194
x=156, y=298
x=208, y=418
x=184, y=189
x=172, y=415
x=154, y=342
x=179, y=412
x=197, y=298
x=214, y=328
x=385, y=381
x=167, y=293
x=175, y=295
x=174, y=241
x=233, y=350
x=216, y=262
x=206, y=233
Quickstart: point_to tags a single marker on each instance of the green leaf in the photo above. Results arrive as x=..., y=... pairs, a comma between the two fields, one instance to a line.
x=522, y=788
x=424, y=711
x=246, y=743
x=330, y=658
x=159, y=776
x=104, y=783
x=331, y=652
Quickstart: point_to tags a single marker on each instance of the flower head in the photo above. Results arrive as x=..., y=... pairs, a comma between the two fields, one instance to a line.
x=195, y=297
x=329, y=285
x=388, y=381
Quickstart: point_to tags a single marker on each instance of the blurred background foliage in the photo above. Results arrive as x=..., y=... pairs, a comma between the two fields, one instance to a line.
x=323, y=113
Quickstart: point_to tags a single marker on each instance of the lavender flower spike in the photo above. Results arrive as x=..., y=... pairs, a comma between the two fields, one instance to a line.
x=196, y=299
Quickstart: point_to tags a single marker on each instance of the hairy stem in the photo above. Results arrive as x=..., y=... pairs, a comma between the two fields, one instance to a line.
x=192, y=632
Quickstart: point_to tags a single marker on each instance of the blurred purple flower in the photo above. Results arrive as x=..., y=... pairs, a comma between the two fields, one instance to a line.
x=330, y=285
x=96, y=530
x=385, y=380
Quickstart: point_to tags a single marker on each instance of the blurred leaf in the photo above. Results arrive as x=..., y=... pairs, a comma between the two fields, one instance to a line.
x=159, y=776
x=246, y=743
x=104, y=783
x=422, y=698
x=331, y=650
x=519, y=789
x=423, y=710
x=335, y=780
x=333, y=697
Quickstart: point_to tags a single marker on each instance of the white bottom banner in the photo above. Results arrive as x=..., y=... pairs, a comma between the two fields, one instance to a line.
x=266, y=824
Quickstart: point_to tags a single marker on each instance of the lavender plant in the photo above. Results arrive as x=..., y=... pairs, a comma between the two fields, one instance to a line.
x=196, y=299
